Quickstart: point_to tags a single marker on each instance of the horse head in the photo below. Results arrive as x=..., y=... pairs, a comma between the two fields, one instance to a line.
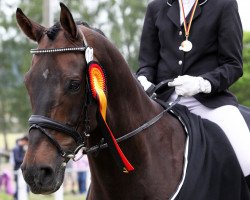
x=57, y=87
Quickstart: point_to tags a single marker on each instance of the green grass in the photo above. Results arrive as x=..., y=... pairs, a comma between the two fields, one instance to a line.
x=51, y=197
x=44, y=197
x=5, y=196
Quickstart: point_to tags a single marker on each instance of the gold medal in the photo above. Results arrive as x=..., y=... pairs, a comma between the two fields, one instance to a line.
x=186, y=46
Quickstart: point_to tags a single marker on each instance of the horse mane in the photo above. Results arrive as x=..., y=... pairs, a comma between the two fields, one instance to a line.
x=53, y=31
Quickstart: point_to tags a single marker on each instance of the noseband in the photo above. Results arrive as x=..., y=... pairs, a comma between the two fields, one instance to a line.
x=42, y=123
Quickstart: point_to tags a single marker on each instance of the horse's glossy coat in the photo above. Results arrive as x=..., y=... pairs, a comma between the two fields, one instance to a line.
x=156, y=153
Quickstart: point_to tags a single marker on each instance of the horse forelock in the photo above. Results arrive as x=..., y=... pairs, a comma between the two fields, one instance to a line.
x=53, y=30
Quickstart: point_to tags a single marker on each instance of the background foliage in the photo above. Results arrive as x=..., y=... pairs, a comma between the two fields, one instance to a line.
x=241, y=88
x=121, y=21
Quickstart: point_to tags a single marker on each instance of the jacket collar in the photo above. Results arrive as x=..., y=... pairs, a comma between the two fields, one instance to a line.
x=174, y=11
x=201, y=2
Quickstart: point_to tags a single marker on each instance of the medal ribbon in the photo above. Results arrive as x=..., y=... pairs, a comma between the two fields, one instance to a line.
x=187, y=28
x=98, y=88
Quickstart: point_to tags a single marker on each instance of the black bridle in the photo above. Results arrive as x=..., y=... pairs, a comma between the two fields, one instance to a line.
x=43, y=123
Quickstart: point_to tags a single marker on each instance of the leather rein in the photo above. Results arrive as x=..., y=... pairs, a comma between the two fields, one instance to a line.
x=43, y=123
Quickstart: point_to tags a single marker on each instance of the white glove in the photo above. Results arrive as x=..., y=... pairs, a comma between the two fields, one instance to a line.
x=190, y=85
x=144, y=82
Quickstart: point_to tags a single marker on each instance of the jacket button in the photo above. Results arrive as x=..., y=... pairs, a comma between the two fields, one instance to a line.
x=180, y=62
x=180, y=33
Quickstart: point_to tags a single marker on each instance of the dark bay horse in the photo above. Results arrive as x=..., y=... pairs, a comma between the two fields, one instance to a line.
x=66, y=119
x=56, y=83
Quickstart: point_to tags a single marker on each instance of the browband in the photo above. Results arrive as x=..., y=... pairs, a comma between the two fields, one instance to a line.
x=68, y=49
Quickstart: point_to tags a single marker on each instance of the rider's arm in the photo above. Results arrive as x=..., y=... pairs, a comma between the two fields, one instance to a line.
x=229, y=50
x=149, y=46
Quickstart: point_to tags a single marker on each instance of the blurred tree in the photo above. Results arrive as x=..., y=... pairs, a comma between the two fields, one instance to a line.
x=241, y=87
x=127, y=19
x=120, y=20
x=15, y=61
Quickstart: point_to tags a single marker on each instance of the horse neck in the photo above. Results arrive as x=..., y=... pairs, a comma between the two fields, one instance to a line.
x=128, y=104
x=128, y=108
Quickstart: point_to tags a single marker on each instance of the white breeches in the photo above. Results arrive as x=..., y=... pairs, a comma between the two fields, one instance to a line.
x=231, y=121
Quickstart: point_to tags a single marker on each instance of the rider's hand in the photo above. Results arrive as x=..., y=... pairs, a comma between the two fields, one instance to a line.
x=147, y=85
x=190, y=85
x=144, y=82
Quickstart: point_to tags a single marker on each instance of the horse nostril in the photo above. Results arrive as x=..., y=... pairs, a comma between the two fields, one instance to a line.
x=46, y=171
x=46, y=174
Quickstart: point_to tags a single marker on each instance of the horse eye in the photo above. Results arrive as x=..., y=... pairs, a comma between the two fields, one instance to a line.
x=74, y=86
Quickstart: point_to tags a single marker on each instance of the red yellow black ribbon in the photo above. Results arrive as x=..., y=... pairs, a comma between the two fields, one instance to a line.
x=98, y=88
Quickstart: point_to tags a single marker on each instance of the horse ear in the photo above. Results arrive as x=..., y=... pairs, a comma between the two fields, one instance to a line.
x=32, y=29
x=67, y=21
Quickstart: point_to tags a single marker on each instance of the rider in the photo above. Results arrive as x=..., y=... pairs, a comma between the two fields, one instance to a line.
x=202, y=53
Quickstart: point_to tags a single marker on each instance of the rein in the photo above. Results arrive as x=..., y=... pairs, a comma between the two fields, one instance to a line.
x=42, y=123
x=136, y=131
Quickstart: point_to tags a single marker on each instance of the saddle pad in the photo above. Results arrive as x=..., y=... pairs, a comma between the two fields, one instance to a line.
x=213, y=171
